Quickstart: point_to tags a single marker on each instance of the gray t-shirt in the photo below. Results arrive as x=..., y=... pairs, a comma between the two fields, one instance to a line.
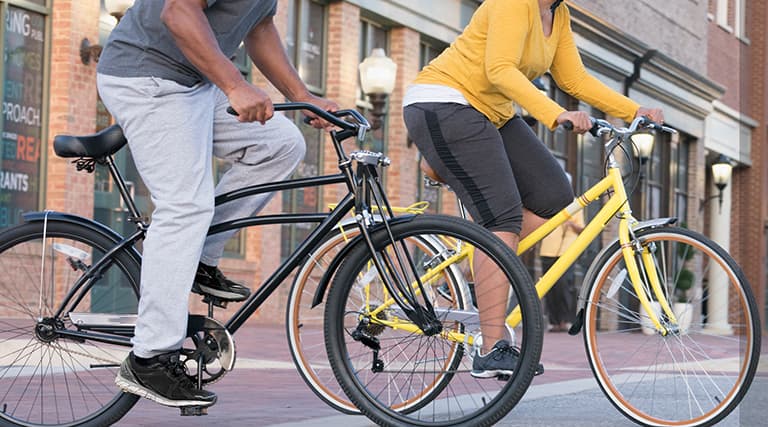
x=142, y=46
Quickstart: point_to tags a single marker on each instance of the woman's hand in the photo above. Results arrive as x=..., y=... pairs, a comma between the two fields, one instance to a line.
x=579, y=119
x=655, y=114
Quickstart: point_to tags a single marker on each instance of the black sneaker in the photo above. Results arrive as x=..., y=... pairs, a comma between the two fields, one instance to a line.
x=500, y=361
x=162, y=379
x=211, y=281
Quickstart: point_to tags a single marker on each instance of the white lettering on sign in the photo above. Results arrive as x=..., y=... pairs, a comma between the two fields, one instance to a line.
x=15, y=113
x=19, y=22
x=14, y=181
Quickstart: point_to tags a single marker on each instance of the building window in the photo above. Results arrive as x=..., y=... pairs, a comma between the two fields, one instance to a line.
x=305, y=41
x=721, y=14
x=307, y=25
x=23, y=36
x=681, y=153
x=740, y=19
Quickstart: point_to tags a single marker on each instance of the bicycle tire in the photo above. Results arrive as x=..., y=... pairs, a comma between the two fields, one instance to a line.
x=693, y=377
x=304, y=322
x=461, y=399
x=46, y=379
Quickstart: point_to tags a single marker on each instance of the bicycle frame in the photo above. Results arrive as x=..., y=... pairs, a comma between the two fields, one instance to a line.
x=616, y=205
x=363, y=189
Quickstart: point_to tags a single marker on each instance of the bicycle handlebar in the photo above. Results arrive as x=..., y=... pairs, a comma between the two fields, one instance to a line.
x=637, y=124
x=331, y=117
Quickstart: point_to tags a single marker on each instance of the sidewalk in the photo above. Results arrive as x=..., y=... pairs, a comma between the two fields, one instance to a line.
x=265, y=389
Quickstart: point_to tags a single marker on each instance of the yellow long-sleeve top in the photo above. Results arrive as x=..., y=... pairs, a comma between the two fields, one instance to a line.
x=503, y=48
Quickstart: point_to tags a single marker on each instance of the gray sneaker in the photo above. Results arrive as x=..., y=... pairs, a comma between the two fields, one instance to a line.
x=162, y=379
x=499, y=362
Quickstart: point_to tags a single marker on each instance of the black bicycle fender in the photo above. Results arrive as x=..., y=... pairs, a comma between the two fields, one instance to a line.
x=102, y=229
x=336, y=262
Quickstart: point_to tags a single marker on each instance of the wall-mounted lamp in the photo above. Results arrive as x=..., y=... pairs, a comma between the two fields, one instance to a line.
x=377, y=79
x=722, y=169
x=91, y=52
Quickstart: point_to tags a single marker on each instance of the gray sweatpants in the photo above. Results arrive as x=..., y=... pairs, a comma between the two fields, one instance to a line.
x=172, y=131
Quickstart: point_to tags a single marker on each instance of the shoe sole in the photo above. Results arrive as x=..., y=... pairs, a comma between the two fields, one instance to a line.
x=501, y=372
x=130, y=385
x=229, y=296
x=491, y=374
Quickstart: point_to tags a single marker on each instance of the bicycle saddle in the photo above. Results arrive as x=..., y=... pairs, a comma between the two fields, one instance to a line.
x=104, y=143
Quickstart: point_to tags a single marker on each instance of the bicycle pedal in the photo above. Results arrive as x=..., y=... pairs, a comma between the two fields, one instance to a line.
x=218, y=302
x=503, y=377
x=193, y=411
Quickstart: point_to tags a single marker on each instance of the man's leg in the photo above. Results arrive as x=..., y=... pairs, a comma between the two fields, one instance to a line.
x=257, y=154
x=169, y=129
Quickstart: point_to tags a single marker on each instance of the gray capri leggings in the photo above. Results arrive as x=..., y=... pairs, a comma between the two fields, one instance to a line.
x=494, y=172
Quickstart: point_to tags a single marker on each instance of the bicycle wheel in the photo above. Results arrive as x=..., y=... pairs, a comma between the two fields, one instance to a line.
x=411, y=366
x=46, y=378
x=304, y=323
x=695, y=375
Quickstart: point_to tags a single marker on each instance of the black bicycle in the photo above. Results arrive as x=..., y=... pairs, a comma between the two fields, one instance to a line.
x=70, y=294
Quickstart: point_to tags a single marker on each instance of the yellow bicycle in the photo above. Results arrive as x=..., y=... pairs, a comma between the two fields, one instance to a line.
x=669, y=321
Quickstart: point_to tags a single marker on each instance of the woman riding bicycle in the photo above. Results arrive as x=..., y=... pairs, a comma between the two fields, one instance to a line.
x=460, y=114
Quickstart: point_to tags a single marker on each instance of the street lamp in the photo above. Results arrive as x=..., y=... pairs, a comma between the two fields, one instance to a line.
x=116, y=8
x=643, y=143
x=722, y=169
x=377, y=79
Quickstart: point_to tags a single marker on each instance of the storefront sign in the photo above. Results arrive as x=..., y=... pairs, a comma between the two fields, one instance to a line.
x=24, y=35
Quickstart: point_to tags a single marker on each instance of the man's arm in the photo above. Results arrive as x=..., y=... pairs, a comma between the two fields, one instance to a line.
x=193, y=35
x=266, y=51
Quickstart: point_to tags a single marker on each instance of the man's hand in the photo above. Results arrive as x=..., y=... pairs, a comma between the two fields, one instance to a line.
x=579, y=119
x=323, y=103
x=655, y=114
x=251, y=103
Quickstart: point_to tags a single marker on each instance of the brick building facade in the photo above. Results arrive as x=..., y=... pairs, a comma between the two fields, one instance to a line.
x=688, y=68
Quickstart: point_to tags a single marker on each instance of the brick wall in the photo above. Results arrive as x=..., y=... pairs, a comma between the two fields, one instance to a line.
x=677, y=28
x=72, y=102
x=748, y=235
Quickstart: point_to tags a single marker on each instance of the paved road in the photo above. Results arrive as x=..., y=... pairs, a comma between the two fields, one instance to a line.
x=265, y=390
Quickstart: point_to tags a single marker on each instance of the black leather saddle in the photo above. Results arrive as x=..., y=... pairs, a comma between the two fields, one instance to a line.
x=98, y=145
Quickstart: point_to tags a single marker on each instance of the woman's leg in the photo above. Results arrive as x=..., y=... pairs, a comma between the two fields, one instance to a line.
x=467, y=151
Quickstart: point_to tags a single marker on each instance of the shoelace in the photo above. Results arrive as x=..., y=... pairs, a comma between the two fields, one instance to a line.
x=177, y=369
x=499, y=352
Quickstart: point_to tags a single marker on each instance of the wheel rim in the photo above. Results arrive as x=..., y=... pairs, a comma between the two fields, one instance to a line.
x=305, y=327
x=694, y=377
x=45, y=378
x=459, y=399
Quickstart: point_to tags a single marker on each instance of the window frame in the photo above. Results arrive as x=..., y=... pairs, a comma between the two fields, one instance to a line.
x=46, y=10
x=290, y=233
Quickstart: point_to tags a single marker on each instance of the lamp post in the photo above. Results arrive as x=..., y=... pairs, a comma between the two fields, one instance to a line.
x=722, y=169
x=377, y=79
x=116, y=8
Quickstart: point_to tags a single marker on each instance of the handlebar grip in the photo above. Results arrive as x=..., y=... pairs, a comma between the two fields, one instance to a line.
x=331, y=117
x=568, y=125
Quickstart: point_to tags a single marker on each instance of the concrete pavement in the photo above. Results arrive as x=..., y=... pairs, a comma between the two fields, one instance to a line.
x=265, y=390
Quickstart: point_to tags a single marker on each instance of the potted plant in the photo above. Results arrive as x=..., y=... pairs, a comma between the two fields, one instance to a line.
x=682, y=308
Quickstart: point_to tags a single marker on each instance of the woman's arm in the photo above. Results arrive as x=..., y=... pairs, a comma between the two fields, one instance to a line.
x=507, y=31
x=571, y=76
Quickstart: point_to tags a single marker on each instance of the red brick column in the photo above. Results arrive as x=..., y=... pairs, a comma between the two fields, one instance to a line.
x=342, y=73
x=402, y=175
x=72, y=108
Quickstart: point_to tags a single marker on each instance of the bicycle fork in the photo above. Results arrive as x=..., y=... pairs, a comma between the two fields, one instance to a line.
x=644, y=276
